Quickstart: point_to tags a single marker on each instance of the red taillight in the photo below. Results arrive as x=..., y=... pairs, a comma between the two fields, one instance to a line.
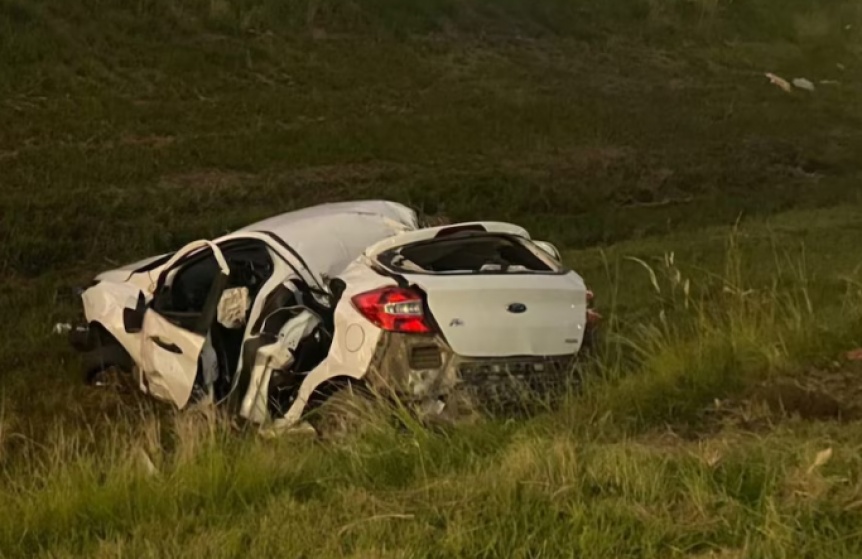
x=394, y=309
x=592, y=316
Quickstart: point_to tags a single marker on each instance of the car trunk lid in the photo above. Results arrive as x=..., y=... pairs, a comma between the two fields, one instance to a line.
x=501, y=315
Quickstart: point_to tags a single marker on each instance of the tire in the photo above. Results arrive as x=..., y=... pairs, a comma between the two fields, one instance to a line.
x=107, y=356
x=341, y=410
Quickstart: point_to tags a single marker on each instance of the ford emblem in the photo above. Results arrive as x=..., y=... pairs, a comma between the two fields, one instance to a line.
x=517, y=308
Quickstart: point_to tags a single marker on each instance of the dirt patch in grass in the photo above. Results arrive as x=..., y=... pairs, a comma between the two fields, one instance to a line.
x=818, y=394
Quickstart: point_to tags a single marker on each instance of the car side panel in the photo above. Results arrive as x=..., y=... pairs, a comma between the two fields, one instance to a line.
x=355, y=340
x=104, y=304
x=170, y=374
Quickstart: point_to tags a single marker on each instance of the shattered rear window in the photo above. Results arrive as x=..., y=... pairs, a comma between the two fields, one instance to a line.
x=469, y=253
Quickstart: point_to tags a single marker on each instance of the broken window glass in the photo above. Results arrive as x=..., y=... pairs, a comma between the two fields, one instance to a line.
x=471, y=253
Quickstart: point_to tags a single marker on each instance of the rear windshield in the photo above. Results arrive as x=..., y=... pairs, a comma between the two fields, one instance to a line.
x=470, y=253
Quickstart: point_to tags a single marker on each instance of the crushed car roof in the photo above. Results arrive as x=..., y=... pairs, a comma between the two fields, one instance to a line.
x=325, y=237
x=289, y=224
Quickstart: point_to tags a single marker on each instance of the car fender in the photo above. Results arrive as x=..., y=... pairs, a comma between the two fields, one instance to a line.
x=104, y=304
x=350, y=356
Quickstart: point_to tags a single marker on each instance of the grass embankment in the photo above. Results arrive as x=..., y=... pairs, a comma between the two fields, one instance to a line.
x=642, y=128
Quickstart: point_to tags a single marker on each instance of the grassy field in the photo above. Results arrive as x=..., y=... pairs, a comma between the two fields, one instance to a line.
x=717, y=217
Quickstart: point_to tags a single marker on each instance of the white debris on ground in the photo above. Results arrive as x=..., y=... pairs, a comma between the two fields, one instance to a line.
x=799, y=83
x=146, y=463
x=802, y=83
x=281, y=427
x=779, y=81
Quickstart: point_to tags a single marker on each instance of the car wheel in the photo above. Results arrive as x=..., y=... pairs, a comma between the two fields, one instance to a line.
x=341, y=410
x=108, y=363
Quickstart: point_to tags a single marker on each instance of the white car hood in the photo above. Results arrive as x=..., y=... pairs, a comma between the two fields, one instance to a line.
x=122, y=273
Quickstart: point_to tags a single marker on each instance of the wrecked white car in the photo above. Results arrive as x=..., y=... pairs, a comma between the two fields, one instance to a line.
x=271, y=318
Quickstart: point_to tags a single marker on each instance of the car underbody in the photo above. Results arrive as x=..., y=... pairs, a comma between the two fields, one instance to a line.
x=425, y=371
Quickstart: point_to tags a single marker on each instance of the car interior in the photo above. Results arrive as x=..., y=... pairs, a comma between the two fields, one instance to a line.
x=281, y=306
x=466, y=252
x=184, y=296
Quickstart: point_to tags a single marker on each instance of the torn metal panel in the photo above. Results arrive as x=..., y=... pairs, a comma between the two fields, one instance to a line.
x=105, y=304
x=170, y=352
x=425, y=372
x=354, y=340
x=326, y=238
x=349, y=291
x=169, y=359
x=277, y=356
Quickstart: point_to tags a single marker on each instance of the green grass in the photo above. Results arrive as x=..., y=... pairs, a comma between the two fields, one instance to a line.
x=491, y=491
x=717, y=218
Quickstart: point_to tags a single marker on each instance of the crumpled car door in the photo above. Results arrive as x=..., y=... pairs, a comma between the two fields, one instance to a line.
x=172, y=342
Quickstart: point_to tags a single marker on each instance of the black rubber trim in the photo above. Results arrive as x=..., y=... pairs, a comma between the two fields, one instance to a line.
x=399, y=279
x=163, y=259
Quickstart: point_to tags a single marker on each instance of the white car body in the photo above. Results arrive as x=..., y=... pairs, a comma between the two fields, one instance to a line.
x=271, y=330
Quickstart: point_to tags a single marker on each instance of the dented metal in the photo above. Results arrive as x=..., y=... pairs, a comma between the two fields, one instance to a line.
x=497, y=330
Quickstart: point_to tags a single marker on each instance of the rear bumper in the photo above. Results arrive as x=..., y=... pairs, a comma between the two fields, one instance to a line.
x=423, y=369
